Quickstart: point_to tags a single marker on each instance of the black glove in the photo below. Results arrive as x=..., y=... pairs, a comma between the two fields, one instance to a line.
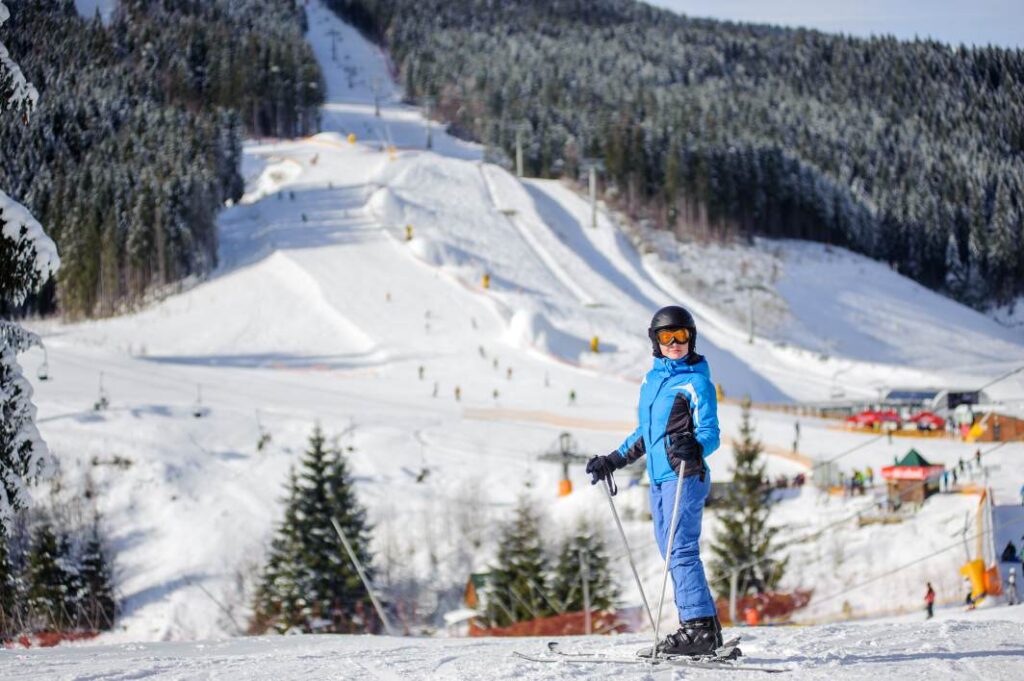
x=685, y=455
x=602, y=467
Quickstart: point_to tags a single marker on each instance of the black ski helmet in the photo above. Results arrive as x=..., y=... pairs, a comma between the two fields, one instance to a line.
x=672, y=317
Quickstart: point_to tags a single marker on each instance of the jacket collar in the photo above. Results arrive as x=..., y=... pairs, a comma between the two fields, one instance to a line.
x=692, y=363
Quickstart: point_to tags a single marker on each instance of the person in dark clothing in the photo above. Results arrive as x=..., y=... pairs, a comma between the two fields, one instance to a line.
x=929, y=601
x=1009, y=553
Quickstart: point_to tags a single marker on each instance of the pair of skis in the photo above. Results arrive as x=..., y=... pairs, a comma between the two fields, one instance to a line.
x=722, y=658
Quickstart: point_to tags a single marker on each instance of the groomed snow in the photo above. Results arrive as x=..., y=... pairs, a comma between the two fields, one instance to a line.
x=975, y=646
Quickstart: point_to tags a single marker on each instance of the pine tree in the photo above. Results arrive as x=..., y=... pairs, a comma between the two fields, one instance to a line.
x=567, y=585
x=309, y=581
x=49, y=584
x=96, y=590
x=8, y=588
x=27, y=259
x=517, y=590
x=745, y=540
x=279, y=603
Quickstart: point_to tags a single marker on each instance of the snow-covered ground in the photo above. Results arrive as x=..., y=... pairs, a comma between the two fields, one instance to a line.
x=322, y=311
x=984, y=644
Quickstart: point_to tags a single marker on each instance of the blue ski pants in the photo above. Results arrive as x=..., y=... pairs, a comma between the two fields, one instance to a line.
x=692, y=595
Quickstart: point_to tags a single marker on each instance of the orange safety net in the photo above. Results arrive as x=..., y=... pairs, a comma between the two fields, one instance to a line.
x=770, y=605
x=567, y=624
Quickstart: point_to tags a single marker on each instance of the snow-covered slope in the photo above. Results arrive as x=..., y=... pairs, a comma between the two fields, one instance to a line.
x=981, y=645
x=322, y=311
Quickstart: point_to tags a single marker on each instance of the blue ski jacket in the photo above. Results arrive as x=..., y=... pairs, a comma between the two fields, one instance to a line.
x=677, y=403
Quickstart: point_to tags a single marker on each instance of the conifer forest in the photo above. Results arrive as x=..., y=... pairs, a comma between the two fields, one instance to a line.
x=909, y=152
x=136, y=140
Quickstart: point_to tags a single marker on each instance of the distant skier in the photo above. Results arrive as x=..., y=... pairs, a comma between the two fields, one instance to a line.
x=678, y=413
x=929, y=601
x=1011, y=588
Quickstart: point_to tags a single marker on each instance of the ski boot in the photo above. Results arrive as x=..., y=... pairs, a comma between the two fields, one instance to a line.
x=695, y=638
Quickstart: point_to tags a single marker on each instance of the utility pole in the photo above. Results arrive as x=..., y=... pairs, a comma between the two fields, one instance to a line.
x=593, y=165
x=585, y=576
x=750, y=287
x=429, y=102
x=593, y=196
x=334, y=35
x=734, y=578
x=519, y=151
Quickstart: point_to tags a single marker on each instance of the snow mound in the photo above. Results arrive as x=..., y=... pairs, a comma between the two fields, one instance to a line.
x=273, y=289
x=274, y=176
x=528, y=329
x=386, y=207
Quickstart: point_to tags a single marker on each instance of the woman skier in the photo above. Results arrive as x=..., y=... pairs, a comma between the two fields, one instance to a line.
x=678, y=414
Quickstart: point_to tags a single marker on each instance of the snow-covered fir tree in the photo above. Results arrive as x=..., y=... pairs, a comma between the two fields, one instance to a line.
x=518, y=588
x=50, y=584
x=309, y=581
x=745, y=540
x=96, y=603
x=27, y=258
x=567, y=580
x=9, y=591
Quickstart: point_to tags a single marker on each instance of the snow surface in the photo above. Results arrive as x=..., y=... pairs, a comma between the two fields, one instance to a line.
x=321, y=311
x=984, y=644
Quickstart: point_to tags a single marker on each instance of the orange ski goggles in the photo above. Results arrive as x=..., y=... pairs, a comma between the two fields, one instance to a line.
x=666, y=336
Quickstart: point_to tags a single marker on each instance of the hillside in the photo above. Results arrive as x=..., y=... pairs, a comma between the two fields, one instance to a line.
x=321, y=311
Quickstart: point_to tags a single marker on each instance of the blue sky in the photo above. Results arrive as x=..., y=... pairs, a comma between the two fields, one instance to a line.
x=978, y=22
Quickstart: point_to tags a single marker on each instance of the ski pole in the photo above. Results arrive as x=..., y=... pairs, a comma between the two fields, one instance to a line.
x=362, y=576
x=629, y=554
x=668, y=556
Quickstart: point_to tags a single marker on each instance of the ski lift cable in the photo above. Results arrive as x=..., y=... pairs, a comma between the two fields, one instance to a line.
x=816, y=533
x=1001, y=378
x=912, y=563
x=848, y=451
x=176, y=383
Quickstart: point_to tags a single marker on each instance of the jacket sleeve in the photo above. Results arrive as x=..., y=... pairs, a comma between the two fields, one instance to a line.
x=633, y=447
x=704, y=408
